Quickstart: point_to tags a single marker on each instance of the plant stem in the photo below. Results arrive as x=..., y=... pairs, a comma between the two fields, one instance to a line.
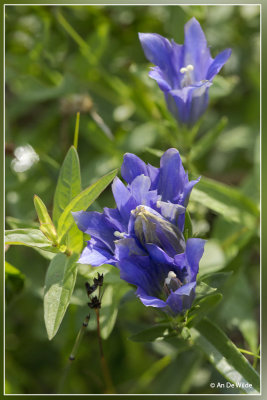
x=73, y=353
x=256, y=358
x=106, y=373
x=248, y=352
x=76, y=132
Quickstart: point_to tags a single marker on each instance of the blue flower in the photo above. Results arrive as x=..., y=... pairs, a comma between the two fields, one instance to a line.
x=183, y=72
x=143, y=236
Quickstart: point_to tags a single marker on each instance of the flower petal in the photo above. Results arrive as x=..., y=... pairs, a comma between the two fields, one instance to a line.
x=188, y=104
x=182, y=298
x=96, y=225
x=172, y=175
x=132, y=166
x=153, y=174
x=96, y=255
x=127, y=247
x=196, y=51
x=159, y=76
x=187, y=190
x=149, y=300
x=135, y=270
x=218, y=63
x=159, y=256
x=157, y=49
x=114, y=217
x=194, y=251
x=140, y=190
x=124, y=200
x=170, y=211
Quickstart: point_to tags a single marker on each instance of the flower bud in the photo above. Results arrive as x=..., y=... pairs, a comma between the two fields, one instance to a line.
x=151, y=227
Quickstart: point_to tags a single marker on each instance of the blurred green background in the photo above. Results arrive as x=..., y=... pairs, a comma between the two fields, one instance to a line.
x=64, y=59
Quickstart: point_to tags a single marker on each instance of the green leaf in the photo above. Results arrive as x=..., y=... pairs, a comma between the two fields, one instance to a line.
x=68, y=184
x=14, y=282
x=59, y=284
x=238, y=308
x=155, y=332
x=178, y=376
x=217, y=280
x=225, y=356
x=30, y=238
x=109, y=307
x=202, y=308
x=46, y=224
x=82, y=202
x=203, y=290
x=16, y=223
x=74, y=239
x=205, y=143
x=225, y=200
x=188, y=229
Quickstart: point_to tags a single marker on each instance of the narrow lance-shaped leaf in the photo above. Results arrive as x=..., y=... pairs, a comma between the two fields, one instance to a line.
x=68, y=187
x=225, y=200
x=29, y=237
x=202, y=308
x=46, y=224
x=82, y=202
x=225, y=356
x=59, y=284
x=206, y=142
x=68, y=184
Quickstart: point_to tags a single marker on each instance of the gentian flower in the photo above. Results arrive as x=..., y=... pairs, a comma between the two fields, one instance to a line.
x=143, y=235
x=183, y=72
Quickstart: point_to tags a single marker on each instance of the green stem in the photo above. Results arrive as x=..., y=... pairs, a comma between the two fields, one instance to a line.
x=256, y=358
x=73, y=353
x=76, y=132
x=249, y=352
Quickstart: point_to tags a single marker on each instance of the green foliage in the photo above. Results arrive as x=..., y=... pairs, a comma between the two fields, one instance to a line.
x=202, y=308
x=156, y=332
x=224, y=355
x=69, y=183
x=29, y=237
x=225, y=200
x=59, y=284
x=68, y=187
x=14, y=282
x=46, y=224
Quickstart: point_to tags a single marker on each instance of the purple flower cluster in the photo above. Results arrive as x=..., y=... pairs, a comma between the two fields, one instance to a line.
x=184, y=72
x=143, y=235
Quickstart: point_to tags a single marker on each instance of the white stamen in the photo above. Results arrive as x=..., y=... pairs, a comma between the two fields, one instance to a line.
x=171, y=275
x=188, y=79
x=119, y=234
x=190, y=67
x=186, y=69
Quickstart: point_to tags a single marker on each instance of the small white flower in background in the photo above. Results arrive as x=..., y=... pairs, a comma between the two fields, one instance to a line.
x=25, y=157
